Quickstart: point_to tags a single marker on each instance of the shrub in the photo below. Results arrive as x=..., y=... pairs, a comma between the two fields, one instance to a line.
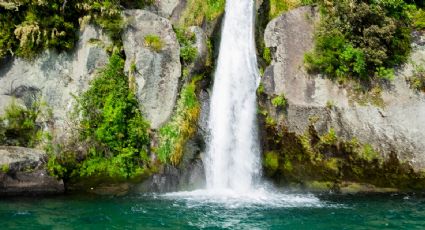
x=28, y=27
x=154, y=42
x=111, y=129
x=18, y=126
x=361, y=39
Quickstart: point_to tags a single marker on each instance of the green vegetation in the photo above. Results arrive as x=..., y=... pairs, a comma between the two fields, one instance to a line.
x=271, y=160
x=267, y=56
x=277, y=7
x=419, y=19
x=417, y=80
x=112, y=134
x=279, y=101
x=154, y=42
x=5, y=168
x=187, y=40
x=18, y=126
x=330, y=104
x=174, y=135
x=333, y=162
x=329, y=138
x=199, y=10
x=361, y=39
x=30, y=26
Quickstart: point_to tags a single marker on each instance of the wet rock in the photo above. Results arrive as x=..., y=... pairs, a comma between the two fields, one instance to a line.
x=23, y=172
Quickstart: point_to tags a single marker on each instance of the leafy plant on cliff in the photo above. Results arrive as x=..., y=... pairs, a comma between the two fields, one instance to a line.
x=199, y=10
x=18, y=126
x=174, y=135
x=111, y=128
x=361, y=39
x=30, y=26
x=187, y=39
x=279, y=101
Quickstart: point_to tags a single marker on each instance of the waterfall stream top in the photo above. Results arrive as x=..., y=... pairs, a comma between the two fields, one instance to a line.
x=233, y=156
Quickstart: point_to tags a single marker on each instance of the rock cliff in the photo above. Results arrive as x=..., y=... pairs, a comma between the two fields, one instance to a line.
x=388, y=117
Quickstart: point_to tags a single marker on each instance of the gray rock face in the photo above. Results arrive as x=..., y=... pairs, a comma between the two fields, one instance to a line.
x=201, y=46
x=53, y=78
x=398, y=126
x=157, y=71
x=23, y=173
x=165, y=8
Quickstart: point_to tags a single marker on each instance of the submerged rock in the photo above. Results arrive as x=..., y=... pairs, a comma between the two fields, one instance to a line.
x=156, y=64
x=23, y=172
x=387, y=119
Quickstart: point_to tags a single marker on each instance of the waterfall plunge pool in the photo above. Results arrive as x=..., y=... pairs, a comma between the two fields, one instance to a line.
x=196, y=211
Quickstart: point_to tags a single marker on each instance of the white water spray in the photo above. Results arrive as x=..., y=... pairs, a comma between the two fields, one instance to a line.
x=233, y=154
x=233, y=160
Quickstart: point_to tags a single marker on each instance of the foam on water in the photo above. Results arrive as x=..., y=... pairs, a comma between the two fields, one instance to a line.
x=257, y=198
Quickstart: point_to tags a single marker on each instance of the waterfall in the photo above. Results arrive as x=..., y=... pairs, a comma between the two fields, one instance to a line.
x=232, y=161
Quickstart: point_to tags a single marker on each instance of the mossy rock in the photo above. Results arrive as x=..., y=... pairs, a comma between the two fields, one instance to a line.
x=311, y=159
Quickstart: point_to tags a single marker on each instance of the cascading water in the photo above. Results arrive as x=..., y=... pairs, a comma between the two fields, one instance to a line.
x=232, y=161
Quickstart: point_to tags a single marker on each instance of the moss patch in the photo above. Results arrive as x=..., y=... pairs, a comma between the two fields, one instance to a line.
x=154, y=42
x=5, y=168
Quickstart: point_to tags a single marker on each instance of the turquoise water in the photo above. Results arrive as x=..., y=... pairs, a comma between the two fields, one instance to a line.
x=393, y=211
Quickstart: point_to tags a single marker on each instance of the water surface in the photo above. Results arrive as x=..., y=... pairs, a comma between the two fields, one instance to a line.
x=185, y=211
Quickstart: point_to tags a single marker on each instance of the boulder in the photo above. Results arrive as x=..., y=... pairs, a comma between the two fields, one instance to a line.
x=23, y=172
x=53, y=78
x=394, y=124
x=156, y=70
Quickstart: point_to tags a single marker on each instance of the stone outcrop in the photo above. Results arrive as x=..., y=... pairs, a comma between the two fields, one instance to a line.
x=156, y=72
x=393, y=124
x=53, y=78
x=23, y=172
x=165, y=8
